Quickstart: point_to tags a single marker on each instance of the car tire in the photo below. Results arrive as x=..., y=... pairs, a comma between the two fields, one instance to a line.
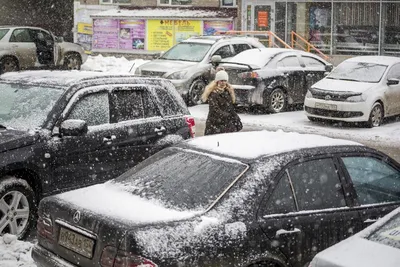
x=72, y=62
x=277, y=101
x=17, y=207
x=376, y=115
x=195, y=91
x=8, y=64
x=313, y=119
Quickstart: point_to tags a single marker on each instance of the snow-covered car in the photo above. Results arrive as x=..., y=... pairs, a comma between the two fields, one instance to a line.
x=274, y=78
x=188, y=63
x=360, y=89
x=23, y=47
x=240, y=199
x=60, y=130
x=377, y=245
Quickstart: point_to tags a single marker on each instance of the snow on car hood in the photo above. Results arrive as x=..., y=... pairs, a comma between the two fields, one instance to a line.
x=343, y=86
x=111, y=200
x=11, y=139
x=167, y=66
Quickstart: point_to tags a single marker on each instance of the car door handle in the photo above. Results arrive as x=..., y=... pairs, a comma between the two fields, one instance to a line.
x=108, y=139
x=287, y=232
x=160, y=130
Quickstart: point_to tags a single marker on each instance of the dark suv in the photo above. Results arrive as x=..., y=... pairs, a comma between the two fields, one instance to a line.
x=64, y=130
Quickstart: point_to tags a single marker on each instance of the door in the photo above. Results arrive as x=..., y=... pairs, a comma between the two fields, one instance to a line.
x=314, y=70
x=44, y=45
x=321, y=215
x=376, y=185
x=392, y=93
x=293, y=76
x=23, y=46
x=86, y=159
x=261, y=18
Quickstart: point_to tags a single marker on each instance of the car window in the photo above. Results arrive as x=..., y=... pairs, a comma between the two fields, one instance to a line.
x=312, y=62
x=21, y=36
x=131, y=104
x=3, y=32
x=394, y=72
x=169, y=105
x=281, y=199
x=374, y=180
x=92, y=108
x=224, y=52
x=290, y=61
x=240, y=48
x=316, y=185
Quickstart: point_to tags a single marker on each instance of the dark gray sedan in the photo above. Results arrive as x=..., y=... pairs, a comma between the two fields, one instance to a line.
x=243, y=199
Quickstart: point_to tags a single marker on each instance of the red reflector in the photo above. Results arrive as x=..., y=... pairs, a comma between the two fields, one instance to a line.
x=111, y=257
x=246, y=75
x=192, y=125
x=45, y=228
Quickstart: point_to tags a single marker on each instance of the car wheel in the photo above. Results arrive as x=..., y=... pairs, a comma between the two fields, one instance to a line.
x=277, y=101
x=376, y=115
x=195, y=91
x=8, y=64
x=72, y=62
x=313, y=119
x=17, y=207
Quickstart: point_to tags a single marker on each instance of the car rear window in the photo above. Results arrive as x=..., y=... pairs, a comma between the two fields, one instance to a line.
x=389, y=233
x=3, y=32
x=182, y=179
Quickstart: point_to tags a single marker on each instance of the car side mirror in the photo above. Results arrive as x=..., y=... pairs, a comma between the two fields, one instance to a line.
x=393, y=81
x=328, y=68
x=59, y=39
x=73, y=128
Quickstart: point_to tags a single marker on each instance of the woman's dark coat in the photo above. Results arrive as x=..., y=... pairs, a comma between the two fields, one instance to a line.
x=222, y=117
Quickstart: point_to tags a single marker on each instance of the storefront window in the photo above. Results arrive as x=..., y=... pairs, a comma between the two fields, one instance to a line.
x=228, y=3
x=390, y=31
x=356, y=30
x=175, y=2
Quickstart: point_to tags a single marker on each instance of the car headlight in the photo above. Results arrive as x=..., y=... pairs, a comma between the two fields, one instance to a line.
x=179, y=75
x=138, y=71
x=309, y=94
x=355, y=98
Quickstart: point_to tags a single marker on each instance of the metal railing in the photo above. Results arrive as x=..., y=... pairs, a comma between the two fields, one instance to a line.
x=305, y=45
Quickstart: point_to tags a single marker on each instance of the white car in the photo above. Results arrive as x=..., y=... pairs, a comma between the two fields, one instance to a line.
x=360, y=89
x=376, y=245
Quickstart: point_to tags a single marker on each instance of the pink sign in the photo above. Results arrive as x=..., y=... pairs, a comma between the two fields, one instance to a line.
x=105, y=33
x=132, y=34
x=211, y=27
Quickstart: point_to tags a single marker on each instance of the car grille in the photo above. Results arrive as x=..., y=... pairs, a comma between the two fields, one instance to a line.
x=331, y=95
x=333, y=113
x=152, y=73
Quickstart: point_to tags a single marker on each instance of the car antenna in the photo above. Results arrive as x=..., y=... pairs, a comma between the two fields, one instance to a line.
x=132, y=66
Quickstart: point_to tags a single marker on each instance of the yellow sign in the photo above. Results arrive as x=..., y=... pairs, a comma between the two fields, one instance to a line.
x=163, y=34
x=85, y=28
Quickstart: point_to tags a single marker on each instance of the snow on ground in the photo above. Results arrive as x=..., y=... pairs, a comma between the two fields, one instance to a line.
x=112, y=64
x=15, y=253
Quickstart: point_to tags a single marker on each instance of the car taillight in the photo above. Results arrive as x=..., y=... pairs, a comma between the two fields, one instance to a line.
x=246, y=75
x=111, y=257
x=45, y=227
x=192, y=125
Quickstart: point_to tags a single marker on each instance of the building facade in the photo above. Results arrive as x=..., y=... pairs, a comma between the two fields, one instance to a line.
x=336, y=27
x=148, y=26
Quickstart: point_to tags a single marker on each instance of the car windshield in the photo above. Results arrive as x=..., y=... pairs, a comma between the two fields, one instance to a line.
x=182, y=179
x=187, y=52
x=389, y=233
x=3, y=32
x=25, y=107
x=358, y=71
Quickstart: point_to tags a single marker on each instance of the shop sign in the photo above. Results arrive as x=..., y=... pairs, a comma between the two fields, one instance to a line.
x=211, y=27
x=132, y=34
x=262, y=19
x=85, y=31
x=105, y=33
x=163, y=34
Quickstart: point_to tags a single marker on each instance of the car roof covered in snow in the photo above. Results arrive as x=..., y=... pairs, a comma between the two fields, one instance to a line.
x=60, y=79
x=384, y=60
x=252, y=145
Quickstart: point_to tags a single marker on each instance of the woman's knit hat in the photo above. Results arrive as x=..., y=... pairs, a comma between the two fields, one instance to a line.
x=221, y=76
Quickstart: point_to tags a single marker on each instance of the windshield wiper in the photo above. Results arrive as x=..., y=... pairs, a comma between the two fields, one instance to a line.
x=343, y=79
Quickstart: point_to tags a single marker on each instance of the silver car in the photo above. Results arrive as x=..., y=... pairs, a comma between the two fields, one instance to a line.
x=24, y=47
x=188, y=63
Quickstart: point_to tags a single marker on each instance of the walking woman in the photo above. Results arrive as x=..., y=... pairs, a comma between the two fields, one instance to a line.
x=222, y=117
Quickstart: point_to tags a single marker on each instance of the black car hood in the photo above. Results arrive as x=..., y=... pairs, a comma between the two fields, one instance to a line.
x=11, y=139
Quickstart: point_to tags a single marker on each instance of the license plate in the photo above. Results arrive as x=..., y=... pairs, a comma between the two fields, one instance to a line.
x=326, y=106
x=76, y=242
